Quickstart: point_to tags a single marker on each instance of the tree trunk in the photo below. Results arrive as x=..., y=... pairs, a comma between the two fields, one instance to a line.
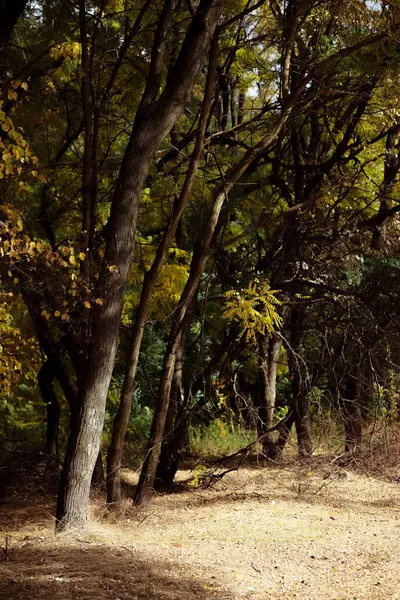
x=303, y=429
x=150, y=464
x=300, y=384
x=176, y=423
x=284, y=434
x=45, y=382
x=269, y=350
x=153, y=121
x=242, y=101
x=98, y=471
x=115, y=453
x=10, y=12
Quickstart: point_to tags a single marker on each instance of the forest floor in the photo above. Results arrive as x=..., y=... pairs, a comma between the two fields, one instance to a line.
x=315, y=532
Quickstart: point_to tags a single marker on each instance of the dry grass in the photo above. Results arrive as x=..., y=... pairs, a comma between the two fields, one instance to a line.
x=310, y=532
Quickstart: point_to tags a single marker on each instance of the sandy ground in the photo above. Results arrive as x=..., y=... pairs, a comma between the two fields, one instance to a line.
x=309, y=533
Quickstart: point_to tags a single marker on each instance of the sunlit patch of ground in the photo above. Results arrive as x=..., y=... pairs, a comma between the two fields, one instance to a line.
x=312, y=533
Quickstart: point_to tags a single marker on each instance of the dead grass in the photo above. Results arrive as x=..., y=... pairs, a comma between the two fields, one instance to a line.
x=309, y=532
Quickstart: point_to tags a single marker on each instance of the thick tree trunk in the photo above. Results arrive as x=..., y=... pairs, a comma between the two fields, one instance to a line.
x=115, y=453
x=45, y=382
x=269, y=350
x=154, y=120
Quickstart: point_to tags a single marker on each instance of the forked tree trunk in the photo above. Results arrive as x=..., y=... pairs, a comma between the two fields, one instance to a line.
x=201, y=255
x=269, y=349
x=154, y=120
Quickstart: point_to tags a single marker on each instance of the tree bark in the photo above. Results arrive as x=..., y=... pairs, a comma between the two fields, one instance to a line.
x=284, y=434
x=299, y=384
x=269, y=350
x=10, y=12
x=176, y=428
x=153, y=121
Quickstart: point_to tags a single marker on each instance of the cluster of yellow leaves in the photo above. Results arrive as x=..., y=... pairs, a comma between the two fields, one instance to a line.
x=13, y=346
x=15, y=154
x=71, y=50
x=168, y=289
x=255, y=309
x=23, y=255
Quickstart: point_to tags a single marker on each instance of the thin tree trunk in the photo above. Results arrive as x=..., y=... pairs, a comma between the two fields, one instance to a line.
x=174, y=427
x=269, y=350
x=98, y=471
x=87, y=162
x=242, y=101
x=284, y=434
x=303, y=428
x=45, y=382
x=154, y=120
x=352, y=417
x=115, y=453
x=299, y=384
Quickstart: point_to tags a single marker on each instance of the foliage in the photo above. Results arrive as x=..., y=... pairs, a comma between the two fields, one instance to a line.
x=218, y=438
x=254, y=308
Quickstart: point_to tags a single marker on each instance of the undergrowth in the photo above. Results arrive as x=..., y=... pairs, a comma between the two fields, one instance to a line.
x=219, y=438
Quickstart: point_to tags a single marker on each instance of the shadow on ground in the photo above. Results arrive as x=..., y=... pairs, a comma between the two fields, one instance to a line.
x=86, y=572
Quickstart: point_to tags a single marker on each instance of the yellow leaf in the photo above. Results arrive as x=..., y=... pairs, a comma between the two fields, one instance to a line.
x=15, y=280
x=99, y=301
x=72, y=259
x=24, y=86
x=57, y=313
x=64, y=317
x=82, y=255
x=86, y=304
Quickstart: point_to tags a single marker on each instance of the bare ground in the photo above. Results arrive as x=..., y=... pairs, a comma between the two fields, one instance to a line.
x=311, y=533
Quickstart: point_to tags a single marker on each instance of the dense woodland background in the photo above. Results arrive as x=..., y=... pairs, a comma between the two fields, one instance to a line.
x=199, y=243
